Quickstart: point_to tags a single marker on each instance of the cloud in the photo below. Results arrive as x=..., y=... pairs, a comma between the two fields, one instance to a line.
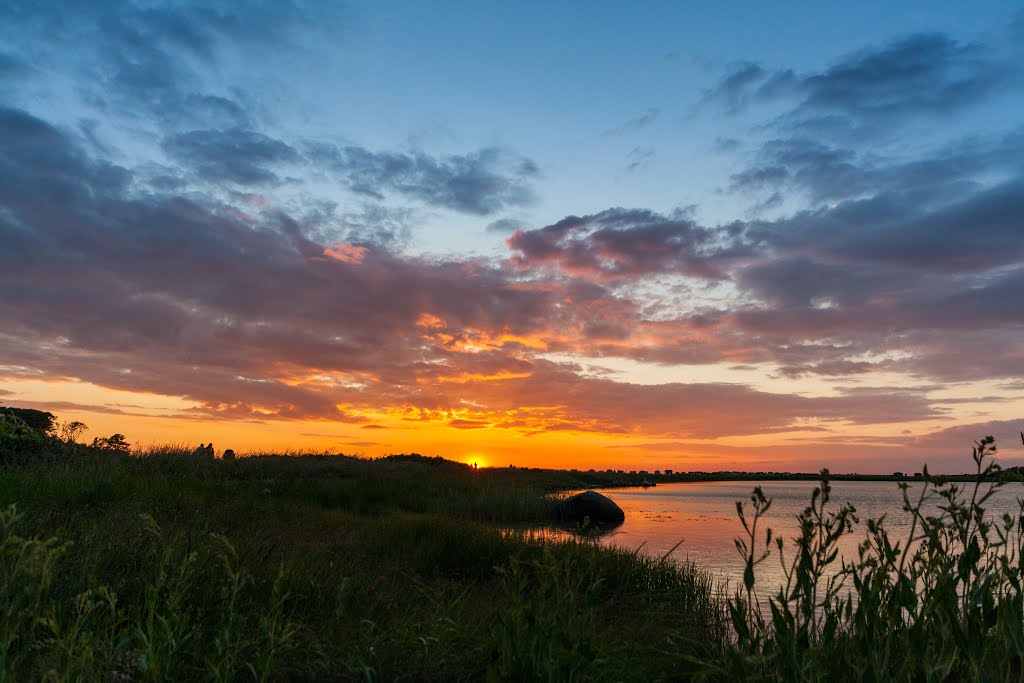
x=249, y=318
x=479, y=183
x=195, y=285
x=619, y=243
x=11, y=66
x=971, y=233
x=746, y=82
x=918, y=74
x=162, y=61
x=826, y=173
x=213, y=272
x=504, y=226
x=694, y=410
x=1007, y=433
x=639, y=157
x=234, y=155
x=468, y=424
x=637, y=123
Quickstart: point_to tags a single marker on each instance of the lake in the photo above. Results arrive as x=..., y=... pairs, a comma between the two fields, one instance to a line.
x=703, y=516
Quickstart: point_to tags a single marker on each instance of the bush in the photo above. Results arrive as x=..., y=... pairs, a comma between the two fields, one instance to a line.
x=114, y=442
x=38, y=420
x=18, y=438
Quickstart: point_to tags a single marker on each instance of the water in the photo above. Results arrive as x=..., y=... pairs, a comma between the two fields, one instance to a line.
x=702, y=515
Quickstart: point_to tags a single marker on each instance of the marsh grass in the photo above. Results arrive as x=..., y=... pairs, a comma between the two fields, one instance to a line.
x=158, y=566
x=943, y=604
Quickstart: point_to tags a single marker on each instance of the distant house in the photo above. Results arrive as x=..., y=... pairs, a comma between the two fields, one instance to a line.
x=657, y=471
x=898, y=474
x=668, y=471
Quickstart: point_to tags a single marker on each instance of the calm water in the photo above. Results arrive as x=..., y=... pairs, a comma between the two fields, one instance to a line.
x=703, y=516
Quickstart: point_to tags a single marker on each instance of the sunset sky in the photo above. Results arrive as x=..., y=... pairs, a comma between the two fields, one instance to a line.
x=690, y=235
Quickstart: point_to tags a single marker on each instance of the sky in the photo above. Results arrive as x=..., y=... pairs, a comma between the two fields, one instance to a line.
x=689, y=235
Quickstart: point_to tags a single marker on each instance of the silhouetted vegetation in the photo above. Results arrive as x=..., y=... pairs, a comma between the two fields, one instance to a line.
x=944, y=604
x=157, y=565
x=38, y=420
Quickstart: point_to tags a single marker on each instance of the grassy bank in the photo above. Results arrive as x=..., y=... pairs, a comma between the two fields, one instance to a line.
x=165, y=566
x=320, y=568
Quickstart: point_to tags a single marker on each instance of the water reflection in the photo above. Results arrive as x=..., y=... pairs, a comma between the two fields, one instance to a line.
x=699, y=520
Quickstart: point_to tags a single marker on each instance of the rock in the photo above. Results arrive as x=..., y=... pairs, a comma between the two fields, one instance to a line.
x=590, y=508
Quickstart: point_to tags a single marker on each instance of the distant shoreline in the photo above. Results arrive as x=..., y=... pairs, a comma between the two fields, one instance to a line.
x=599, y=479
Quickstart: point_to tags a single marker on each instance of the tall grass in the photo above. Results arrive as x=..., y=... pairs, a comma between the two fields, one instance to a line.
x=118, y=567
x=945, y=603
x=164, y=567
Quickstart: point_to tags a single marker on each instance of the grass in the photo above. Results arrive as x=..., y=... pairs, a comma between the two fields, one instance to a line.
x=166, y=567
x=944, y=604
x=161, y=566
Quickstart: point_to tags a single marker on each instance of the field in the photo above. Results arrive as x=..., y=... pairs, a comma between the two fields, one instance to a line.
x=163, y=566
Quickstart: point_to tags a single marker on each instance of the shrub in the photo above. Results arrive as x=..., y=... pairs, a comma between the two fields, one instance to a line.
x=17, y=438
x=37, y=420
x=114, y=442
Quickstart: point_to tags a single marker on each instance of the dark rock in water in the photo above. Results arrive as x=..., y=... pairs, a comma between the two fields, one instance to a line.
x=592, y=509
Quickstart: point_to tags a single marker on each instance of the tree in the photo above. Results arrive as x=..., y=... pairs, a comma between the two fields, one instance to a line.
x=39, y=420
x=114, y=442
x=68, y=432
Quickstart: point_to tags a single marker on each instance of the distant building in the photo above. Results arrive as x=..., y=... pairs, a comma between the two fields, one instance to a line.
x=668, y=471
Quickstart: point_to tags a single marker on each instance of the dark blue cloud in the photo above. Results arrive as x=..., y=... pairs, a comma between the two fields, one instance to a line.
x=11, y=66
x=234, y=155
x=978, y=231
x=825, y=172
x=161, y=71
x=481, y=183
x=917, y=74
x=161, y=61
x=628, y=243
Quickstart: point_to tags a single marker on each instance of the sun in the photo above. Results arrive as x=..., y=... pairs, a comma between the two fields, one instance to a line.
x=475, y=460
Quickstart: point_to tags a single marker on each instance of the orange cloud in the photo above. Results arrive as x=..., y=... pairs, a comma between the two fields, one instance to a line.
x=346, y=253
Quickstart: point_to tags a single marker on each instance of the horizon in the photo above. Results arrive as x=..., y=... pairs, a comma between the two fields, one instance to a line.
x=559, y=237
